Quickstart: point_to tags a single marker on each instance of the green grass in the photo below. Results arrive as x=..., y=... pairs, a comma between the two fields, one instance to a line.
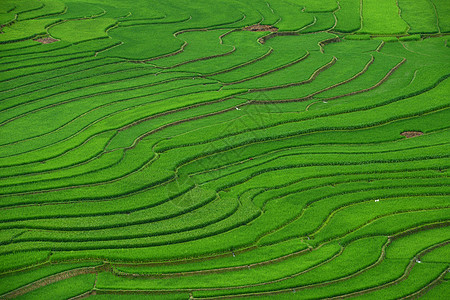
x=24, y=30
x=420, y=276
x=237, y=278
x=170, y=154
x=437, y=291
x=382, y=17
x=348, y=16
x=19, y=279
x=419, y=15
x=63, y=289
x=77, y=31
x=442, y=8
x=292, y=15
x=22, y=260
x=50, y=8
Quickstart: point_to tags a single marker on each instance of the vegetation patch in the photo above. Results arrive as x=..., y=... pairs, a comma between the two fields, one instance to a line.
x=240, y=149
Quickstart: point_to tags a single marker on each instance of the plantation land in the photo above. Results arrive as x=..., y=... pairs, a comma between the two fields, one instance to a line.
x=224, y=149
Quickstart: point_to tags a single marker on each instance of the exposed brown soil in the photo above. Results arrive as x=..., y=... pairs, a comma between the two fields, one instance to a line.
x=329, y=41
x=411, y=134
x=261, y=28
x=263, y=39
x=46, y=40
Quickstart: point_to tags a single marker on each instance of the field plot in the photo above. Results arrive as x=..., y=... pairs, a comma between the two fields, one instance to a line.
x=224, y=149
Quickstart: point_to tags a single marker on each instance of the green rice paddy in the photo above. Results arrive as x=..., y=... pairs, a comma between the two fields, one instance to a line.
x=166, y=150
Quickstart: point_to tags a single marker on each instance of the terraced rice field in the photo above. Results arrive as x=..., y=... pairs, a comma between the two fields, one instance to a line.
x=223, y=149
